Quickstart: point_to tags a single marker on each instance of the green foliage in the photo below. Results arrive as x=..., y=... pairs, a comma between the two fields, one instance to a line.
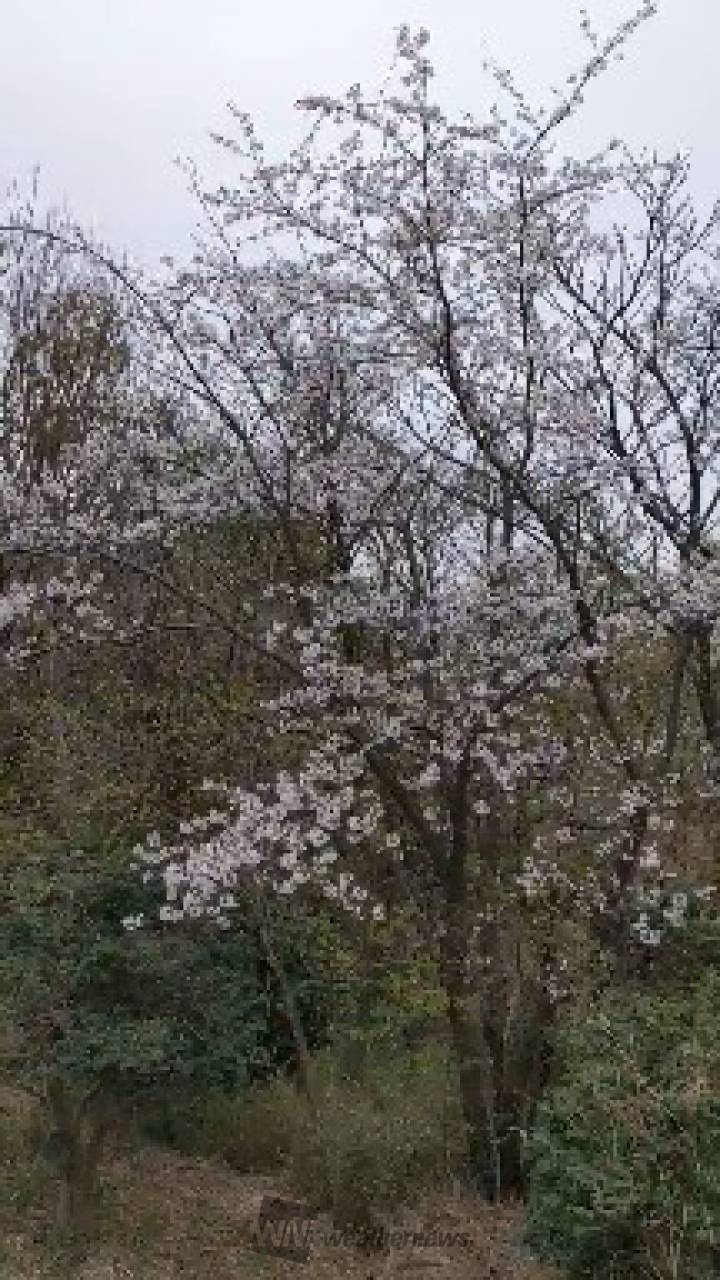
x=157, y=1014
x=388, y=994
x=254, y=1131
x=379, y=1141
x=365, y=1146
x=625, y=1175
x=686, y=923
x=102, y=1007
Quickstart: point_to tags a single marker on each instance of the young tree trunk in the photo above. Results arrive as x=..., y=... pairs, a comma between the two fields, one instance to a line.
x=273, y=958
x=79, y=1131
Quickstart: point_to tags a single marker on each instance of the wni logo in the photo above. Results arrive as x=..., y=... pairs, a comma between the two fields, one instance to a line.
x=285, y=1229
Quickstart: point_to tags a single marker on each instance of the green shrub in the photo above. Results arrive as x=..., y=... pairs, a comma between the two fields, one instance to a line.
x=376, y=1142
x=253, y=1131
x=625, y=1156
x=367, y=1145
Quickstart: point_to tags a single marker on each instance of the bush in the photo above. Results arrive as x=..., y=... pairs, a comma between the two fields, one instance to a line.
x=254, y=1131
x=625, y=1156
x=377, y=1142
x=368, y=1144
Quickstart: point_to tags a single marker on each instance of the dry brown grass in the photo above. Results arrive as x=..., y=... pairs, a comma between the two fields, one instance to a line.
x=166, y=1217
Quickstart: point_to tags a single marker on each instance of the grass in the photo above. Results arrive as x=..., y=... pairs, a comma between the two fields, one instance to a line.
x=371, y=1143
x=382, y=1148
x=168, y=1217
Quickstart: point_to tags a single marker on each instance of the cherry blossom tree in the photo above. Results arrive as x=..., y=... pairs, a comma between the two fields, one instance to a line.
x=477, y=415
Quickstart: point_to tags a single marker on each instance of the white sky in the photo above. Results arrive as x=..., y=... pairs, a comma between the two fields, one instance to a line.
x=104, y=95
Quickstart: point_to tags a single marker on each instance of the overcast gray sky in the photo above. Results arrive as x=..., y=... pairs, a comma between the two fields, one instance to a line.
x=104, y=95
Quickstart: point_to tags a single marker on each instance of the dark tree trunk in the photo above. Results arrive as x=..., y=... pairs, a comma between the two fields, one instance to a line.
x=79, y=1131
x=470, y=1059
x=466, y=1038
x=502, y=1061
x=498, y=1027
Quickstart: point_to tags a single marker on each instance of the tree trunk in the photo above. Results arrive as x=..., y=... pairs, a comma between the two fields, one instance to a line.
x=481, y=1169
x=273, y=958
x=502, y=1062
x=79, y=1130
x=498, y=1039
